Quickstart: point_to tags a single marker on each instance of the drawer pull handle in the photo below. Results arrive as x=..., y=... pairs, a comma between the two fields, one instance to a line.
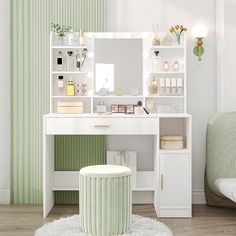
x=101, y=126
x=162, y=182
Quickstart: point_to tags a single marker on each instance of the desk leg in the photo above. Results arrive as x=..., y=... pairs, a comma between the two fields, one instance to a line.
x=48, y=174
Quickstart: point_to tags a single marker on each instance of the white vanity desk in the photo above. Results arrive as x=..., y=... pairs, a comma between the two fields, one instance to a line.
x=171, y=177
x=129, y=58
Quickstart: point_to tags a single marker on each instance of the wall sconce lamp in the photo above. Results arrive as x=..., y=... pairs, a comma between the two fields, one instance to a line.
x=199, y=32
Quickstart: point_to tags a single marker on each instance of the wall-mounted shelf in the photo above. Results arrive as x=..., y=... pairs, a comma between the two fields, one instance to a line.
x=167, y=47
x=68, y=47
x=115, y=96
x=167, y=73
x=160, y=96
x=69, y=72
x=71, y=97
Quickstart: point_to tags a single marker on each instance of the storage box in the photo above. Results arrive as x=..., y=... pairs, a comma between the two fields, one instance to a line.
x=124, y=158
x=70, y=107
x=169, y=142
x=167, y=109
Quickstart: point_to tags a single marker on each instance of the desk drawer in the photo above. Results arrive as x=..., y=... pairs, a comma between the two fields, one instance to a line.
x=67, y=125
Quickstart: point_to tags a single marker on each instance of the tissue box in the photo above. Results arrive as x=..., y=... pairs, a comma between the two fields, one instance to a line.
x=70, y=107
x=124, y=158
x=169, y=142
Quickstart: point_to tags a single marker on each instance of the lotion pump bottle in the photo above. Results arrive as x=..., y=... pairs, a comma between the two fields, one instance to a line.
x=70, y=88
x=156, y=62
x=70, y=61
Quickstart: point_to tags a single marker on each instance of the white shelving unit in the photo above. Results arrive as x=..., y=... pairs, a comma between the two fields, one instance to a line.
x=173, y=52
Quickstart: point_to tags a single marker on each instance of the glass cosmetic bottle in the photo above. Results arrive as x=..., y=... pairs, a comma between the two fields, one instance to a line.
x=59, y=61
x=153, y=87
x=167, y=86
x=173, y=86
x=70, y=61
x=70, y=88
x=60, y=83
x=180, y=86
x=162, y=86
x=156, y=62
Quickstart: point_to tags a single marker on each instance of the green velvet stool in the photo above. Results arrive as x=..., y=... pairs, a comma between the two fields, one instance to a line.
x=105, y=200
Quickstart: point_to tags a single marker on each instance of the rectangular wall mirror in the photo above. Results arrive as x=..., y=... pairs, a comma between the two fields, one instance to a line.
x=119, y=64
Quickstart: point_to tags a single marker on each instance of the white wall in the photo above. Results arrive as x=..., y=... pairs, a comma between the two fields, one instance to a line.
x=226, y=35
x=4, y=104
x=139, y=15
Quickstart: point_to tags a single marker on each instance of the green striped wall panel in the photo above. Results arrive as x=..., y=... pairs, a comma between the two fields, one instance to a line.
x=75, y=152
x=63, y=197
x=30, y=23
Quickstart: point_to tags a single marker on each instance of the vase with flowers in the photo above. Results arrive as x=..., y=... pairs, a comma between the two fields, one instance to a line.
x=178, y=30
x=60, y=31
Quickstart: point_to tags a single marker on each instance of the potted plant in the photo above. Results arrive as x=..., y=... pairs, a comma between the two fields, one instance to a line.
x=60, y=31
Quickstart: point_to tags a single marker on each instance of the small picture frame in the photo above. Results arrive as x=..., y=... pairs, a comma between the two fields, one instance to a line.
x=129, y=109
x=122, y=108
x=114, y=108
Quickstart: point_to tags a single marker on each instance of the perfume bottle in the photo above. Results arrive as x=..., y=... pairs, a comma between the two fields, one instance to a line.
x=78, y=61
x=153, y=88
x=166, y=66
x=176, y=66
x=70, y=88
x=60, y=83
x=59, y=61
x=70, y=61
x=156, y=62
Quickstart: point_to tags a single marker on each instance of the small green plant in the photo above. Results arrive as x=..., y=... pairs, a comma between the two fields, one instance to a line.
x=60, y=30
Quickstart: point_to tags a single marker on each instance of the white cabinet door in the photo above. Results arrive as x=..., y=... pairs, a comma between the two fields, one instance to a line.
x=175, y=185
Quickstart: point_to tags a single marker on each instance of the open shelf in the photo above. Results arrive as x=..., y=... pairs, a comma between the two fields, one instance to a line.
x=160, y=96
x=69, y=72
x=69, y=181
x=167, y=47
x=163, y=151
x=167, y=73
x=115, y=96
x=68, y=47
x=71, y=97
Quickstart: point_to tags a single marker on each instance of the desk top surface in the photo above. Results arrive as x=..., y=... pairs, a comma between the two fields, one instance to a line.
x=89, y=115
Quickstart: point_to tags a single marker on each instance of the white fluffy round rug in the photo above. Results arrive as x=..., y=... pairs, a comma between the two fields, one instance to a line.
x=140, y=226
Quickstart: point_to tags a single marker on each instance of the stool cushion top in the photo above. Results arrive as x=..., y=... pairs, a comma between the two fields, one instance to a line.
x=105, y=171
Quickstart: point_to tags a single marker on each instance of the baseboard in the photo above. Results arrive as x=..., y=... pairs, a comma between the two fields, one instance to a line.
x=4, y=196
x=199, y=196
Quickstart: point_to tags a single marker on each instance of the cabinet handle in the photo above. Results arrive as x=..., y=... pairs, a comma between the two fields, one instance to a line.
x=101, y=126
x=162, y=182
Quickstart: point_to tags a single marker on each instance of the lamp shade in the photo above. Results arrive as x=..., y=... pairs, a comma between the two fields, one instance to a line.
x=200, y=31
